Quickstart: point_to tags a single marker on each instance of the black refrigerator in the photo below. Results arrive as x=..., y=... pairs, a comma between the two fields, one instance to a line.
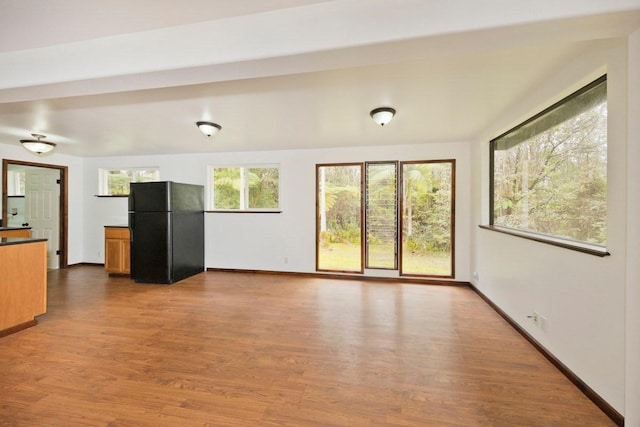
x=166, y=220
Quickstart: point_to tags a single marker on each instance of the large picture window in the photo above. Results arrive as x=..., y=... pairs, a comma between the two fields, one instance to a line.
x=549, y=174
x=244, y=188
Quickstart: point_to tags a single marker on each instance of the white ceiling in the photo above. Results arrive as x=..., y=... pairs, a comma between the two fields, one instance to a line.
x=132, y=78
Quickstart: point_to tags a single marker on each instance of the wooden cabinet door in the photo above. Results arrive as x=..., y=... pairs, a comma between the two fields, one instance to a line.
x=113, y=255
x=126, y=256
x=117, y=250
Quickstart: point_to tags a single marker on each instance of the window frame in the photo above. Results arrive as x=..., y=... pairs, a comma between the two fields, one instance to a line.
x=362, y=219
x=103, y=180
x=558, y=241
x=399, y=209
x=16, y=182
x=367, y=262
x=244, y=167
x=452, y=218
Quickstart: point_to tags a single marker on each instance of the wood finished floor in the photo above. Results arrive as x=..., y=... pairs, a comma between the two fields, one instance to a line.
x=235, y=349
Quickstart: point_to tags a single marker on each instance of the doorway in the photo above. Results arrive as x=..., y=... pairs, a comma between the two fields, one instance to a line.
x=386, y=215
x=44, y=203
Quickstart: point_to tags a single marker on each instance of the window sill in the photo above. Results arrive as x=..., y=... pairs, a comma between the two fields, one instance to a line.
x=553, y=241
x=246, y=211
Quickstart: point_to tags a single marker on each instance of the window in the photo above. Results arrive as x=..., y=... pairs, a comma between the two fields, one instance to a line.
x=381, y=215
x=115, y=182
x=16, y=182
x=407, y=205
x=427, y=205
x=549, y=174
x=339, y=226
x=244, y=188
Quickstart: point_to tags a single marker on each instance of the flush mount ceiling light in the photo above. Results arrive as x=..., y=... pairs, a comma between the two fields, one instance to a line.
x=209, y=128
x=382, y=115
x=36, y=145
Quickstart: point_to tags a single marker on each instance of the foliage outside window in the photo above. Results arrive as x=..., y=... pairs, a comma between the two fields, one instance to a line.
x=115, y=182
x=245, y=188
x=339, y=228
x=381, y=215
x=427, y=204
x=549, y=175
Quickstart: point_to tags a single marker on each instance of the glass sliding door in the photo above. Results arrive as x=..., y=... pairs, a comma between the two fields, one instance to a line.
x=381, y=215
x=427, y=205
x=339, y=218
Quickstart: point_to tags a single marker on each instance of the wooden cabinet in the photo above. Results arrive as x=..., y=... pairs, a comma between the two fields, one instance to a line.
x=23, y=284
x=15, y=232
x=117, y=250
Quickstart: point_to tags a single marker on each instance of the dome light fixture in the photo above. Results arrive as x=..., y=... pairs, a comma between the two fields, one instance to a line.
x=37, y=145
x=382, y=115
x=209, y=128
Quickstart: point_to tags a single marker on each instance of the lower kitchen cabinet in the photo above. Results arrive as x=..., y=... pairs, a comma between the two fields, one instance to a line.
x=117, y=252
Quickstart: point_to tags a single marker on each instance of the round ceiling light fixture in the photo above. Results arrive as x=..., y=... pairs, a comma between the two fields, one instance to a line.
x=209, y=128
x=382, y=115
x=37, y=145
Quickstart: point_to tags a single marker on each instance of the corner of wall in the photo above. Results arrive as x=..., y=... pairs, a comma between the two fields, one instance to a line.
x=632, y=294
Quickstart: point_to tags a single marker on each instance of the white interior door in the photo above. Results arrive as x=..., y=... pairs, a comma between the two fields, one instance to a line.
x=42, y=208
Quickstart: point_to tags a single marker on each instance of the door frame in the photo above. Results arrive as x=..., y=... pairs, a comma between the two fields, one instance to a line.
x=63, y=217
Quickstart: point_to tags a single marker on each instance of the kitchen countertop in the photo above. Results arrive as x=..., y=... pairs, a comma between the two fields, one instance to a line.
x=116, y=226
x=6, y=241
x=14, y=228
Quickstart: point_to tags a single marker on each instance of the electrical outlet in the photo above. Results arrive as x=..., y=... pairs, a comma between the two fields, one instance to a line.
x=286, y=260
x=476, y=275
x=538, y=320
x=542, y=322
x=535, y=318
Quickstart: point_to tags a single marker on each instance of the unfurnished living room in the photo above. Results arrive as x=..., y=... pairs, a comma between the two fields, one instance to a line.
x=320, y=213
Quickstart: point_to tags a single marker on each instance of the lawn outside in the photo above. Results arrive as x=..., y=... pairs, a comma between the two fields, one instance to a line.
x=346, y=257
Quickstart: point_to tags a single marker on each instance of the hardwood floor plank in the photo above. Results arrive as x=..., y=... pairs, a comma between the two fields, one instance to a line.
x=244, y=349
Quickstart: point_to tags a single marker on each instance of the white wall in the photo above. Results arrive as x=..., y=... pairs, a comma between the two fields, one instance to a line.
x=12, y=150
x=263, y=241
x=632, y=412
x=581, y=296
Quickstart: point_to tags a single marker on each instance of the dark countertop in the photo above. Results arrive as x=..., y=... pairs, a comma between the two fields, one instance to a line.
x=14, y=228
x=116, y=226
x=6, y=241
